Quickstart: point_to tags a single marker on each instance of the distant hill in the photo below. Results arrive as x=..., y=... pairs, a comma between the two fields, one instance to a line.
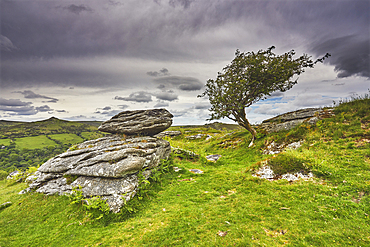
x=49, y=126
x=6, y=123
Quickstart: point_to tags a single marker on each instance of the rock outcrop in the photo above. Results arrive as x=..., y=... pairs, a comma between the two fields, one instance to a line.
x=290, y=120
x=140, y=122
x=108, y=167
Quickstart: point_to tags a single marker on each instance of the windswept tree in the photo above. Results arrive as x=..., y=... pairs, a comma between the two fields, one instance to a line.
x=252, y=77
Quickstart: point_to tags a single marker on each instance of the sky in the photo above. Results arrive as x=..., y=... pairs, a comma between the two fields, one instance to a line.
x=91, y=59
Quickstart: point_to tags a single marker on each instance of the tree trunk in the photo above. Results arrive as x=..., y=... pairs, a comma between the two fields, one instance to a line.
x=245, y=124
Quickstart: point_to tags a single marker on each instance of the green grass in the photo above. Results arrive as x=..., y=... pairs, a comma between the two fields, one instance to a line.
x=66, y=138
x=5, y=141
x=91, y=135
x=186, y=209
x=34, y=142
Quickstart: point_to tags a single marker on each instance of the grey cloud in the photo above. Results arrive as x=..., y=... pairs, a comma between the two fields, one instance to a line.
x=108, y=113
x=148, y=31
x=166, y=95
x=349, y=54
x=202, y=106
x=17, y=107
x=61, y=111
x=44, y=108
x=107, y=108
x=122, y=107
x=28, y=94
x=184, y=3
x=13, y=102
x=162, y=72
x=6, y=44
x=137, y=97
x=181, y=113
x=77, y=9
x=161, y=104
x=182, y=83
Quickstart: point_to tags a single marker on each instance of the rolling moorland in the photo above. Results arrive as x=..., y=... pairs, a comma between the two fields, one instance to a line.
x=23, y=145
x=223, y=206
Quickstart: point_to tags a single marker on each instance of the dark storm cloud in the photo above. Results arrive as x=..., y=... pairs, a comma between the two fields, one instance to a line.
x=17, y=107
x=77, y=9
x=182, y=83
x=44, y=108
x=137, y=97
x=28, y=94
x=349, y=54
x=174, y=30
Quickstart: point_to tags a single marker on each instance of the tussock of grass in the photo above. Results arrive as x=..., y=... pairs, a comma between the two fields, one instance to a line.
x=186, y=209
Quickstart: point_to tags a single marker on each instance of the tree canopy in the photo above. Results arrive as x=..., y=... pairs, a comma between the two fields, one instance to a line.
x=252, y=77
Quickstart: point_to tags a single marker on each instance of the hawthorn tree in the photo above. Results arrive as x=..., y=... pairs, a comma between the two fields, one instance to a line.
x=252, y=77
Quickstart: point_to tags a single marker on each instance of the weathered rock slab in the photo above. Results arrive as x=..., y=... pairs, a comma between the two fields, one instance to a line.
x=290, y=120
x=140, y=122
x=106, y=167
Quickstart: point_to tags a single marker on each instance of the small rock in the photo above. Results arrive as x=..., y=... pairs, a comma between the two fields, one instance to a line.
x=168, y=133
x=176, y=169
x=196, y=171
x=197, y=136
x=221, y=233
x=213, y=157
x=5, y=205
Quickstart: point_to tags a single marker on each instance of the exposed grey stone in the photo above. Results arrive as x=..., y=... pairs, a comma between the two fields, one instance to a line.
x=5, y=205
x=196, y=171
x=168, y=133
x=274, y=148
x=140, y=122
x=106, y=167
x=198, y=136
x=213, y=157
x=13, y=174
x=265, y=172
x=290, y=120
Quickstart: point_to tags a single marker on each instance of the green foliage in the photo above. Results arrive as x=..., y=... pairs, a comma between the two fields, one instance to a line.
x=3, y=175
x=95, y=207
x=252, y=77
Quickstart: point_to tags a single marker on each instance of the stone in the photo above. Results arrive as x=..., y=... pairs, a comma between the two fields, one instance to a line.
x=5, y=205
x=196, y=171
x=213, y=157
x=265, y=172
x=199, y=136
x=274, y=148
x=139, y=122
x=108, y=167
x=168, y=134
x=290, y=120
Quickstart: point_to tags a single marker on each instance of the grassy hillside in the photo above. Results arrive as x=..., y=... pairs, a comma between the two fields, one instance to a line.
x=24, y=144
x=226, y=205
